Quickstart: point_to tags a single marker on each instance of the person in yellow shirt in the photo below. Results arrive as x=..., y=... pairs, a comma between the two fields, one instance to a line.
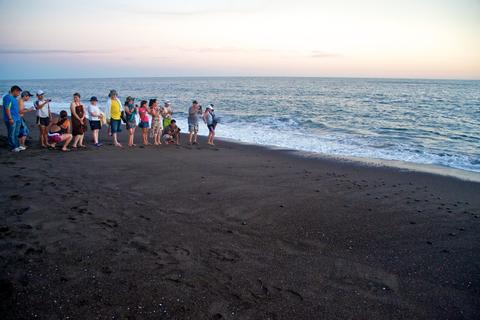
x=114, y=113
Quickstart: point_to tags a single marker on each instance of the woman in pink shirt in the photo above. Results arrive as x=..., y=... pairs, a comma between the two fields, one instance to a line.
x=144, y=121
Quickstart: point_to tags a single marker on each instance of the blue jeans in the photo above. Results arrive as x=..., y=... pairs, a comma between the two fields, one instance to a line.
x=13, y=131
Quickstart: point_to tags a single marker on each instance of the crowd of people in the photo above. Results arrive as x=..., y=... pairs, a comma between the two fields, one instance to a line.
x=155, y=122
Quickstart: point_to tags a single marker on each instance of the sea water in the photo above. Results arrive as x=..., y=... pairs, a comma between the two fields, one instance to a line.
x=432, y=122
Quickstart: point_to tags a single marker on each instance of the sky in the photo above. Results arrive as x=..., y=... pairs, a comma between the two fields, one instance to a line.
x=331, y=38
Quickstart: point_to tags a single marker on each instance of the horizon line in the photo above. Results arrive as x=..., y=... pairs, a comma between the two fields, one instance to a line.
x=244, y=76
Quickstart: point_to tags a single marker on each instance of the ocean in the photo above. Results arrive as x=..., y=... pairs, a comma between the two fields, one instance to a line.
x=425, y=122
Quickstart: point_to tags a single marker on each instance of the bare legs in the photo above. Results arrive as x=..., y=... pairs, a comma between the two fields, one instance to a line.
x=131, y=134
x=192, y=136
x=66, y=139
x=211, y=136
x=95, y=136
x=145, y=136
x=156, y=136
x=115, y=141
x=43, y=136
x=22, y=141
x=78, y=140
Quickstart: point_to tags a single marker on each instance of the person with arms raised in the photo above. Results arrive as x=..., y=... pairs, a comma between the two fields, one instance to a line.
x=194, y=112
x=43, y=116
x=131, y=116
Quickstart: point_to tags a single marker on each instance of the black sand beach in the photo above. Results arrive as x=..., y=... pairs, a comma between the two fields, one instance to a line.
x=231, y=232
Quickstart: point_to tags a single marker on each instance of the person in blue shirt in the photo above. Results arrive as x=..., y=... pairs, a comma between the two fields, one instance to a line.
x=11, y=117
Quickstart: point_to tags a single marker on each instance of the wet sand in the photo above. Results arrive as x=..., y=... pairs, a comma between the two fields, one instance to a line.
x=231, y=232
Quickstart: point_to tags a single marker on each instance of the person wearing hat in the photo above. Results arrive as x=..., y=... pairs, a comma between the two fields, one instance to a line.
x=114, y=115
x=43, y=116
x=95, y=123
x=166, y=113
x=11, y=117
x=211, y=120
x=23, y=133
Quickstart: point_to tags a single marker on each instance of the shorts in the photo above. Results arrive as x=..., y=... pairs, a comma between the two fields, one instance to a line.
x=167, y=137
x=211, y=127
x=144, y=125
x=193, y=128
x=23, y=129
x=115, y=125
x=95, y=125
x=43, y=121
x=131, y=124
x=54, y=137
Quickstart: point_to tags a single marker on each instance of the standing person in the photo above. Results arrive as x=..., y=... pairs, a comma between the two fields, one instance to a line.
x=58, y=131
x=193, y=114
x=43, y=116
x=114, y=113
x=131, y=115
x=95, y=124
x=143, y=113
x=24, y=131
x=156, y=125
x=166, y=113
x=211, y=121
x=11, y=117
x=78, y=121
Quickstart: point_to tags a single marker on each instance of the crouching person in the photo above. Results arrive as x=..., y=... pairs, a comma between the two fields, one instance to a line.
x=58, y=131
x=171, y=133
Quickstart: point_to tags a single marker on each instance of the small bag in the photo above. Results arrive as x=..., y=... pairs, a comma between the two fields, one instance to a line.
x=123, y=117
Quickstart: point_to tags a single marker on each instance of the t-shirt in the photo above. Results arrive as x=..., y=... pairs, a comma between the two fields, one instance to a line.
x=43, y=112
x=115, y=112
x=171, y=131
x=133, y=112
x=9, y=102
x=167, y=112
x=142, y=111
x=94, y=109
x=210, y=118
x=193, y=115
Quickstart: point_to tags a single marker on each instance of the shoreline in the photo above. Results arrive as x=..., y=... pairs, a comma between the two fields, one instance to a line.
x=434, y=169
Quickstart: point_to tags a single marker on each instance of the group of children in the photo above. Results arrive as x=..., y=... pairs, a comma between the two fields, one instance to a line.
x=155, y=123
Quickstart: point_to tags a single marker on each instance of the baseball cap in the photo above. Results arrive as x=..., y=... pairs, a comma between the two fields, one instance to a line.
x=26, y=93
x=167, y=102
x=210, y=106
x=40, y=93
x=93, y=98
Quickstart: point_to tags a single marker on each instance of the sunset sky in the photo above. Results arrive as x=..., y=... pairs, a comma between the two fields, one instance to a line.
x=370, y=38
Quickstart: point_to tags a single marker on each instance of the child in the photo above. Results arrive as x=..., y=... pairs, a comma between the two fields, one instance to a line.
x=143, y=113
